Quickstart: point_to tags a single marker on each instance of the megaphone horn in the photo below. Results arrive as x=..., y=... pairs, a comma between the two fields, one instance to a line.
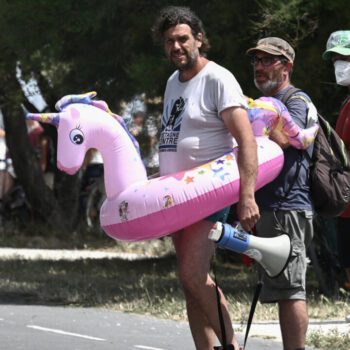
x=271, y=253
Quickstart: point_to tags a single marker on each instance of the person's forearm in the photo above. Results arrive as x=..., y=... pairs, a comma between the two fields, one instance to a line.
x=248, y=167
x=237, y=122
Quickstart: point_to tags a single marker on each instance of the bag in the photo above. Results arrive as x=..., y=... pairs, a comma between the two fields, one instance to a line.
x=330, y=172
x=329, y=169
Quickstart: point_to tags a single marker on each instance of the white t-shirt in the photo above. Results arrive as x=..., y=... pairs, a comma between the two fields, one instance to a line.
x=192, y=131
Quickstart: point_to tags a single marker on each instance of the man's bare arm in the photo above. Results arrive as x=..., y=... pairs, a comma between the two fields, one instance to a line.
x=236, y=120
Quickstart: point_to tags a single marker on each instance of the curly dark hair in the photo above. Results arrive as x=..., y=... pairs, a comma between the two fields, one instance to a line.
x=171, y=16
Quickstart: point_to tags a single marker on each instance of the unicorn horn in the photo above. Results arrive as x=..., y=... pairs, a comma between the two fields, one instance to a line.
x=49, y=118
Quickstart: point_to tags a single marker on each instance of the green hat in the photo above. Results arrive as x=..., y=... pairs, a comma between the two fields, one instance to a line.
x=339, y=43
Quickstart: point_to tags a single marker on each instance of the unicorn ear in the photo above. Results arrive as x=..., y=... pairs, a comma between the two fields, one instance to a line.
x=91, y=94
x=49, y=118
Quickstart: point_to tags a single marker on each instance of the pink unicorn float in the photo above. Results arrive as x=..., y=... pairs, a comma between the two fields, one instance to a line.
x=138, y=208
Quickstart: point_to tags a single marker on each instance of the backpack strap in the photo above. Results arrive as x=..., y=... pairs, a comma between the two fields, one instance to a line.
x=291, y=91
x=289, y=94
x=346, y=101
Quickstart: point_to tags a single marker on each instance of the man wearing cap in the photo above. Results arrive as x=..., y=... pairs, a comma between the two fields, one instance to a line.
x=338, y=51
x=285, y=203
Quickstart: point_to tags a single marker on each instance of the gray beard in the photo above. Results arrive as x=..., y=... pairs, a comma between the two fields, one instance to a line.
x=266, y=88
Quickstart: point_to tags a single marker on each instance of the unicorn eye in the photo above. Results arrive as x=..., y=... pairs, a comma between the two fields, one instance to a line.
x=76, y=136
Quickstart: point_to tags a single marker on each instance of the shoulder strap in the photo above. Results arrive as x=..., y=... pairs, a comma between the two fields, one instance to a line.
x=255, y=300
x=291, y=91
x=252, y=310
x=347, y=100
x=221, y=317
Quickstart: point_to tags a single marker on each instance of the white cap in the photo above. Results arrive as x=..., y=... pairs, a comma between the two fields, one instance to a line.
x=216, y=231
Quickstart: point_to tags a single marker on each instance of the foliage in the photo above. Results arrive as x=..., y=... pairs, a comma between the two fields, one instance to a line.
x=289, y=20
x=307, y=26
x=97, y=48
x=108, y=47
x=332, y=340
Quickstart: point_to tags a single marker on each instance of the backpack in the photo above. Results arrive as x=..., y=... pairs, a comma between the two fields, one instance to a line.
x=329, y=169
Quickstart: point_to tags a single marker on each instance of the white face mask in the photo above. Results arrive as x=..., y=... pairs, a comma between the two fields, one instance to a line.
x=342, y=72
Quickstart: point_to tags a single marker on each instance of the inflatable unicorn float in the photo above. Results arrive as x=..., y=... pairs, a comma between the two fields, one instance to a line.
x=138, y=208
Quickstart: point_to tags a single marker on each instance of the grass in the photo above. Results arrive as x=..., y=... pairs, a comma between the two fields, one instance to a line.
x=147, y=286
x=332, y=340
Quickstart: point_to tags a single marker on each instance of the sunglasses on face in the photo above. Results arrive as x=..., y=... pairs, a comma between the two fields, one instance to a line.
x=266, y=61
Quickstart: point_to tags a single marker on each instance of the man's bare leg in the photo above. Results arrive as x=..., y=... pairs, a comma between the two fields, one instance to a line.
x=199, y=325
x=294, y=322
x=194, y=251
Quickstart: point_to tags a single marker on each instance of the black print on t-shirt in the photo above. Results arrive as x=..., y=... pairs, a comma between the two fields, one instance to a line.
x=171, y=124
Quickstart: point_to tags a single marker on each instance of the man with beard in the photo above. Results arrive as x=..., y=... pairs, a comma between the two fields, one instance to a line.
x=285, y=203
x=206, y=108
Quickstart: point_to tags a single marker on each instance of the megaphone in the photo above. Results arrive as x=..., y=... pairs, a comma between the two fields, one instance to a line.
x=271, y=253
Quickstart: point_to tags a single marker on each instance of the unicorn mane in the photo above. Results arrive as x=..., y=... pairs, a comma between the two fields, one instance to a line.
x=87, y=98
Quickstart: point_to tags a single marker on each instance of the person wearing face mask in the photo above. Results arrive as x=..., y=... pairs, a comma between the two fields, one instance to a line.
x=338, y=52
x=285, y=203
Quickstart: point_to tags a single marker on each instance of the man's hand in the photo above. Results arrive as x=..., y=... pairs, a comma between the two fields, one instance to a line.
x=280, y=138
x=248, y=213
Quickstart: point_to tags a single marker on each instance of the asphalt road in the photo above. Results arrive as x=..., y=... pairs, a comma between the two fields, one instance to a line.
x=35, y=327
x=64, y=328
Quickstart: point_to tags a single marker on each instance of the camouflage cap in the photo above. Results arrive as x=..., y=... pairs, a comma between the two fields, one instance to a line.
x=338, y=43
x=274, y=46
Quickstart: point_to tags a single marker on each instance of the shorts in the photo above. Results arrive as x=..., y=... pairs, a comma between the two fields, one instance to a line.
x=291, y=283
x=219, y=215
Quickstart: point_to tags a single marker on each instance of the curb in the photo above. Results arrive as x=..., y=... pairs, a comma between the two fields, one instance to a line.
x=271, y=329
x=65, y=254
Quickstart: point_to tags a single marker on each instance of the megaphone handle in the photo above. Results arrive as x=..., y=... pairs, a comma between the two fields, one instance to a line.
x=252, y=310
x=221, y=318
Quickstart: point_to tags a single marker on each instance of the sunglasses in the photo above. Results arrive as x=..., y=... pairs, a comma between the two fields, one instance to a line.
x=266, y=61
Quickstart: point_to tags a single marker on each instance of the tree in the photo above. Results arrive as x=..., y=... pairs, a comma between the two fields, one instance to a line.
x=307, y=25
x=94, y=50
x=22, y=155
